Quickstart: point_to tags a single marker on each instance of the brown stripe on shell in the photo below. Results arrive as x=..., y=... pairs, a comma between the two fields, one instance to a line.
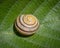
x=25, y=30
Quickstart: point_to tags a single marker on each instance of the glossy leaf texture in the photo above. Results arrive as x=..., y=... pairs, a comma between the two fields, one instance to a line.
x=48, y=14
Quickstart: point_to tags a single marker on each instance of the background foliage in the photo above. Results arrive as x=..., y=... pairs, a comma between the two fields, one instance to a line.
x=48, y=14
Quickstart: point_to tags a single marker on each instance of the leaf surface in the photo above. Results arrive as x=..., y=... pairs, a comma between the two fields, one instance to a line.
x=48, y=14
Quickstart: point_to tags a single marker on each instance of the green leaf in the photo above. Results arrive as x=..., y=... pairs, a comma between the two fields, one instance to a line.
x=48, y=14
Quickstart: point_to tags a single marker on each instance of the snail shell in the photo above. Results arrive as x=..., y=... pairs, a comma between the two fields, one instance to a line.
x=26, y=24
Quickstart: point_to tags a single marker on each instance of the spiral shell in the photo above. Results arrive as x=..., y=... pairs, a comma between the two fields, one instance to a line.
x=26, y=24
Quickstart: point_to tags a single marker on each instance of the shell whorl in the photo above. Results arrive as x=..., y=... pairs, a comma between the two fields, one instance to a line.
x=26, y=24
